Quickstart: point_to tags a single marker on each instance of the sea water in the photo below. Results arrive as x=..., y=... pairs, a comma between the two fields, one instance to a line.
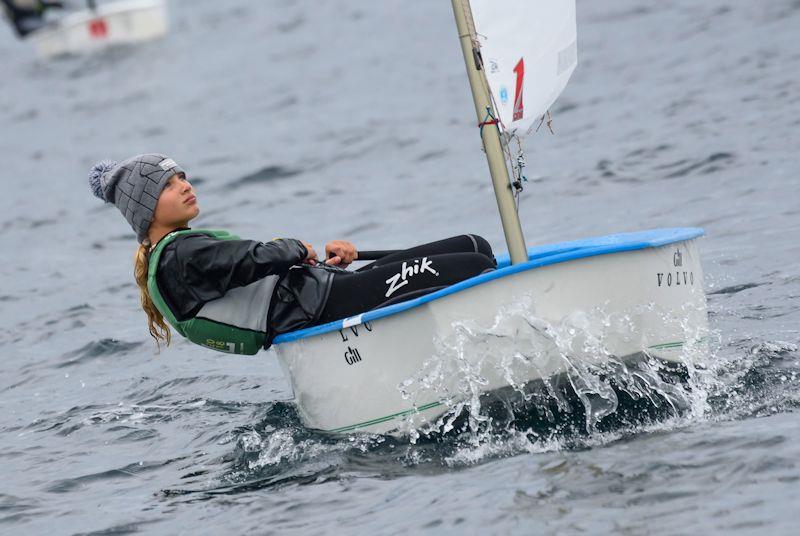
x=342, y=119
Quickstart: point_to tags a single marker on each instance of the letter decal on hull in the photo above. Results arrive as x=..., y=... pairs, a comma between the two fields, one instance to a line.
x=352, y=356
x=345, y=332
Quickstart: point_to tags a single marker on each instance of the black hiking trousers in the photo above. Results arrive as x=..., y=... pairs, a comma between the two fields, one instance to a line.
x=407, y=274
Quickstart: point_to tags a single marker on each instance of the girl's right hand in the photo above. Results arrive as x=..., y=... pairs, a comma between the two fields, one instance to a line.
x=311, y=257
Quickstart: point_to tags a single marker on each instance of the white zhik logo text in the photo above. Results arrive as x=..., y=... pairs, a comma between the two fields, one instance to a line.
x=400, y=279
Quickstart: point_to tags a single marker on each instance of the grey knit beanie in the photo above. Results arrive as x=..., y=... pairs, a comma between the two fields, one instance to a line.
x=133, y=186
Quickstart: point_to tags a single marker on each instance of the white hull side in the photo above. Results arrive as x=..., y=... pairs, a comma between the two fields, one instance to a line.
x=349, y=379
x=126, y=21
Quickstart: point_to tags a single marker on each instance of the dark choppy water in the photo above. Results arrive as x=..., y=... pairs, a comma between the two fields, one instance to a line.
x=353, y=119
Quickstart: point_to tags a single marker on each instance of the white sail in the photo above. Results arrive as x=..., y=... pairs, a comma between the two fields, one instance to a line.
x=529, y=50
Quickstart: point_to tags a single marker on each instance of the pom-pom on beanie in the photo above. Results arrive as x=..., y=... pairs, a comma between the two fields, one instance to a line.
x=133, y=186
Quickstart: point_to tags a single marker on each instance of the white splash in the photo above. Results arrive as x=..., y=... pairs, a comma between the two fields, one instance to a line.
x=574, y=349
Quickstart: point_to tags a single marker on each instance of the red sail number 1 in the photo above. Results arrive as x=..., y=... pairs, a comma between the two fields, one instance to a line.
x=520, y=70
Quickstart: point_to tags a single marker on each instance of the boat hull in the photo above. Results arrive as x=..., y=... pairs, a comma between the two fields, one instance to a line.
x=405, y=369
x=126, y=21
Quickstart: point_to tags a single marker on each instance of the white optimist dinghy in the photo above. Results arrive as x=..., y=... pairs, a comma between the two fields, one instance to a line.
x=98, y=26
x=402, y=366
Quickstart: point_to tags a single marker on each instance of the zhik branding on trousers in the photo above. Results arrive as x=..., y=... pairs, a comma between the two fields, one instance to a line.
x=400, y=279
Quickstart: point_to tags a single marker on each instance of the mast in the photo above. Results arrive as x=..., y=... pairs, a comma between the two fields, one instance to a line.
x=490, y=133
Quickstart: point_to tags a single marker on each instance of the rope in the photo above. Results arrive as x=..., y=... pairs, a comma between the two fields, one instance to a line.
x=467, y=9
x=517, y=165
x=490, y=119
x=517, y=170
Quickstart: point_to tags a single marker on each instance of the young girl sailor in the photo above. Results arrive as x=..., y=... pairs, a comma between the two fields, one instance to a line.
x=236, y=295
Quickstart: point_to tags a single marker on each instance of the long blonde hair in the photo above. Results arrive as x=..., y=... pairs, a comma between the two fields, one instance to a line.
x=155, y=320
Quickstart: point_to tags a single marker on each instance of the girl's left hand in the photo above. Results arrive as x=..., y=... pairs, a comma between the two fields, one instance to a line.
x=311, y=256
x=340, y=253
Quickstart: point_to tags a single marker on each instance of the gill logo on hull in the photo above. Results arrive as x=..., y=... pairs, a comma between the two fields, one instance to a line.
x=670, y=279
x=400, y=279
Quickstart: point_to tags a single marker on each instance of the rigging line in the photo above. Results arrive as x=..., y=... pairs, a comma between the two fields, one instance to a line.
x=467, y=9
x=516, y=171
x=490, y=118
x=505, y=138
x=476, y=47
x=541, y=122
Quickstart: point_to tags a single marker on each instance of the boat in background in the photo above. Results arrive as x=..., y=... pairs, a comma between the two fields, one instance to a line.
x=119, y=22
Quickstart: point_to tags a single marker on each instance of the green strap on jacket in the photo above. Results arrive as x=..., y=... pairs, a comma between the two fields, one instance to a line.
x=204, y=331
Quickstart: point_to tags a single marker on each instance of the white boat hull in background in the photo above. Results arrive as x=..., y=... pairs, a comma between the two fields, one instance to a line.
x=125, y=21
x=406, y=368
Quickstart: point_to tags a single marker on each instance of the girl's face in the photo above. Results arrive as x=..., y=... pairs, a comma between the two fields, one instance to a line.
x=177, y=203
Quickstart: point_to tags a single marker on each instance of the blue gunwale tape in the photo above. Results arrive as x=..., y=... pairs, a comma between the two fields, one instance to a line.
x=538, y=256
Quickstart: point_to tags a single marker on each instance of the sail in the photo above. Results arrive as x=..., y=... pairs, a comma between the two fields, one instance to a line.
x=529, y=50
